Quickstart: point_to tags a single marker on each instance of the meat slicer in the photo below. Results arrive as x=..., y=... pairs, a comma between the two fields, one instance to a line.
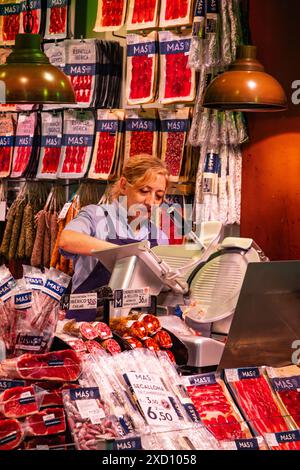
x=204, y=278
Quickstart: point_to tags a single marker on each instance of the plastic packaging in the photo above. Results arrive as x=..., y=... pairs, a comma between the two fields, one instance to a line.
x=24, y=143
x=10, y=21
x=198, y=43
x=7, y=309
x=142, y=63
x=254, y=443
x=6, y=144
x=57, y=19
x=50, y=152
x=175, y=13
x=142, y=15
x=289, y=440
x=36, y=11
x=110, y=15
x=141, y=133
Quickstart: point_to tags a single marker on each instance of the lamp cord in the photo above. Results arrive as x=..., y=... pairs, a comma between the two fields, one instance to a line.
x=28, y=19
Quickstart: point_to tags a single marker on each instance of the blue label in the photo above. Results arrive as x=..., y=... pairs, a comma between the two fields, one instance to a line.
x=176, y=407
x=212, y=6
x=91, y=393
x=33, y=5
x=247, y=444
x=23, y=299
x=36, y=281
x=27, y=340
x=6, y=384
x=200, y=8
x=57, y=3
x=133, y=443
x=126, y=424
x=285, y=383
x=51, y=141
x=7, y=287
x=7, y=439
x=27, y=400
x=70, y=140
x=52, y=422
x=7, y=141
x=80, y=69
x=24, y=141
x=175, y=47
x=107, y=126
x=142, y=49
x=145, y=125
x=56, y=363
x=248, y=373
x=204, y=379
x=10, y=9
x=213, y=164
x=174, y=125
x=192, y=412
x=55, y=288
x=288, y=436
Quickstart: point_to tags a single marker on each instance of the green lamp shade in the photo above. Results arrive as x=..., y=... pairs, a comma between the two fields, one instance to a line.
x=29, y=78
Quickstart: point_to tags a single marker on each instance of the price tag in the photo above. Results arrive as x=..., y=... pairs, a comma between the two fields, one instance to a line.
x=89, y=409
x=3, y=206
x=83, y=301
x=64, y=211
x=154, y=399
x=132, y=298
x=232, y=375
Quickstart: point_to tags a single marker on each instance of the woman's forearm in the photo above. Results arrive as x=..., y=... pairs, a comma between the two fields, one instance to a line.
x=81, y=244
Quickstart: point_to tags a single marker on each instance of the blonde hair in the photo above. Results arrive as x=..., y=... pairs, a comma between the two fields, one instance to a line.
x=138, y=171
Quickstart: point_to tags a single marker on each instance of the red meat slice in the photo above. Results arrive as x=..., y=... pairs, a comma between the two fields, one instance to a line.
x=178, y=76
x=111, y=346
x=141, y=77
x=291, y=400
x=105, y=153
x=11, y=434
x=141, y=143
x=11, y=27
x=60, y=366
x=48, y=422
x=176, y=9
x=18, y=402
x=112, y=12
x=58, y=18
x=53, y=393
x=143, y=13
x=174, y=152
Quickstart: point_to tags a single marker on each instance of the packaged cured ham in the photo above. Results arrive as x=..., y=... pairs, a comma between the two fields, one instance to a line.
x=288, y=440
x=10, y=21
x=78, y=141
x=8, y=313
x=141, y=133
x=81, y=68
x=285, y=382
x=57, y=19
x=254, y=443
x=110, y=15
x=6, y=144
x=106, y=144
x=51, y=145
x=175, y=13
x=216, y=407
x=24, y=143
x=142, y=57
x=256, y=400
x=174, y=128
x=177, y=80
x=142, y=15
x=36, y=11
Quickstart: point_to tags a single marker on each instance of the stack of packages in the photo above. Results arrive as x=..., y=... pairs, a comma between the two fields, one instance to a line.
x=218, y=134
x=31, y=404
x=7, y=132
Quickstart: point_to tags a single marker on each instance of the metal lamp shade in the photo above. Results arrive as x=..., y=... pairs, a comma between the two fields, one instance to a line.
x=246, y=87
x=29, y=78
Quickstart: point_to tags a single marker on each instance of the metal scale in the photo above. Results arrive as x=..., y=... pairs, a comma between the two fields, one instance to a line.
x=206, y=272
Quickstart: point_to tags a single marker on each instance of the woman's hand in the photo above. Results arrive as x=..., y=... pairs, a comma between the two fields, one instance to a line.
x=81, y=244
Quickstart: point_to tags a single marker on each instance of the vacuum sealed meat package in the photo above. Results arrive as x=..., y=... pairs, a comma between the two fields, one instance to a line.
x=177, y=80
x=25, y=132
x=6, y=144
x=57, y=19
x=35, y=20
x=10, y=21
x=107, y=143
x=142, y=15
x=81, y=68
x=289, y=440
x=110, y=15
x=77, y=143
x=175, y=13
x=51, y=143
x=141, y=133
x=174, y=127
x=142, y=57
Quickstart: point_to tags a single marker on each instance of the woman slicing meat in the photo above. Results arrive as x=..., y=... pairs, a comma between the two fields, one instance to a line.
x=126, y=220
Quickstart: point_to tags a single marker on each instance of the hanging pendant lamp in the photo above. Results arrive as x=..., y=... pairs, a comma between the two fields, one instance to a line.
x=28, y=77
x=245, y=87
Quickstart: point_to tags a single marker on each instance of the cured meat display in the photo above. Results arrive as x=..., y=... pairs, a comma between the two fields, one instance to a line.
x=142, y=14
x=11, y=434
x=23, y=144
x=6, y=144
x=57, y=19
x=10, y=20
x=141, y=133
x=78, y=142
x=216, y=408
x=177, y=80
x=107, y=143
x=289, y=440
x=141, y=68
x=110, y=15
x=35, y=20
x=256, y=400
x=285, y=382
x=60, y=366
x=47, y=422
x=175, y=13
x=50, y=146
x=81, y=60
x=18, y=402
x=174, y=128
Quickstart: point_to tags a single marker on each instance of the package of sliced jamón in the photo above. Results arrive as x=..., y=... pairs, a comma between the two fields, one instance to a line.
x=110, y=15
x=141, y=133
x=142, y=14
x=10, y=21
x=51, y=143
x=175, y=13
